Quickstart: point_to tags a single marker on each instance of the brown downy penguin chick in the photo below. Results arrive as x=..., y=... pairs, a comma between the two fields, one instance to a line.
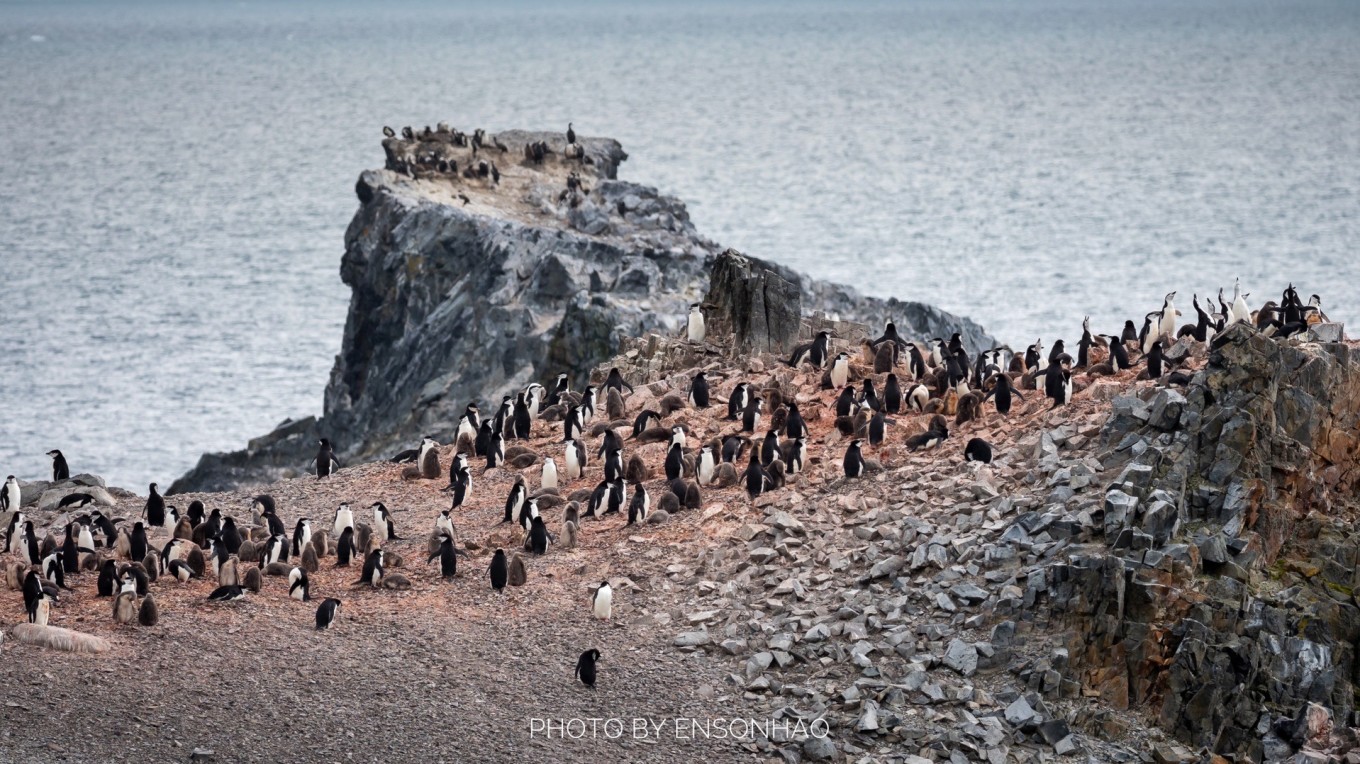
x=195, y=560
x=396, y=582
x=252, y=579
x=522, y=461
x=778, y=420
x=200, y=536
x=184, y=529
x=517, y=575
x=122, y=547
x=693, y=499
x=569, y=531
x=884, y=358
x=572, y=514
x=149, y=614
x=152, y=564
x=776, y=469
x=580, y=496
x=866, y=352
x=434, y=543
x=688, y=465
x=229, y=574
x=309, y=561
x=970, y=407
x=670, y=404
x=249, y=551
x=125, y=608
x=363, y=533
x=658, y=516
x=668, y=503
x=259, y=534
x=277, y=569
x=613, y=404
x=374, y=544
x=89, y=563
x=319, y=543
x=392, y=559
x=654, y=435
x=14, y=576
x=725, y=476
x=773, y=397
x=549, y=499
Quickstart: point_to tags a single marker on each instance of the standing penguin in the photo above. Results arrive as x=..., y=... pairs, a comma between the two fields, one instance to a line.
x=892, y=395
x=345, y=550
x=499, y=570
x=302, y=535
x=602, y=603
x=522, y=420
x=514, y=503
x=373, y=569
x=698, y=391
x=840, y=370
x=10, y=497
x=575, y=459
x=60, y=471
x=70, y=550
x=696, y=328
x=750, y=418
x=1154, y=361
x=549, y=476
x=1167, y=324
x=448, y=557
x=736, y=402
x=108, y=578
x=1003, y=391
x=138, y=545
x=538, y=536
x=154, y=511
x=344, y=518
x=585, y=667
x=383, y=523
x=706, y=466
x=675, y=463
x=756, y=478
x=641, y=503
x=33, y=595
x=326, y=462
x=495, y=451
x=854, y=460
x=327, y=612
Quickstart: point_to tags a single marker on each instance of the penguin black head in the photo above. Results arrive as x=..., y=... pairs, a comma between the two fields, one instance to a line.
x=54, y=453
x=324, y=442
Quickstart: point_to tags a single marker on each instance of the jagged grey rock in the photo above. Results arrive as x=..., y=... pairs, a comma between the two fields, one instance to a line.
x=453, y=303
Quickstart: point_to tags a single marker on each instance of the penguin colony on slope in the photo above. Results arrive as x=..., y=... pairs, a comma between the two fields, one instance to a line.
x=935, y=380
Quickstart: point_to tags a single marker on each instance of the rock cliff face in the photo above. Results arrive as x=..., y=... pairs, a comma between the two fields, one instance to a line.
x=468, y=288
x=1218, y=587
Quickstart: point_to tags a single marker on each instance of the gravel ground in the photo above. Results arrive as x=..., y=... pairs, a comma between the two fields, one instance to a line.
x=448, y=670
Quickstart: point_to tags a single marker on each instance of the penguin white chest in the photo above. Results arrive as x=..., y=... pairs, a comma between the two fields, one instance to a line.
x=697, y=329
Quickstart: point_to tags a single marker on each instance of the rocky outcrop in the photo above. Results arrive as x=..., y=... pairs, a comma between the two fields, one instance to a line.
x=1218, y=590
x=468, y=288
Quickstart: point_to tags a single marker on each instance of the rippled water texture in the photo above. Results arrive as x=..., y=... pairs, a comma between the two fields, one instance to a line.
x=178, y=177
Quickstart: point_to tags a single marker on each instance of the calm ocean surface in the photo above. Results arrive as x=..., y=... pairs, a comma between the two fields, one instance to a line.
x=177, y=177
